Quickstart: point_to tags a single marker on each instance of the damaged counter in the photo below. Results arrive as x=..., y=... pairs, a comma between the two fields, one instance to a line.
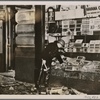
x=77, y=73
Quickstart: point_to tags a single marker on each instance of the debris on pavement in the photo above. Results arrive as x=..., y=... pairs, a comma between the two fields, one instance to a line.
x=9, y=85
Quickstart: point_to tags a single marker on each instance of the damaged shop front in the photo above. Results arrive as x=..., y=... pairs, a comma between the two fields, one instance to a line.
x=81, y=35
x=28, y=29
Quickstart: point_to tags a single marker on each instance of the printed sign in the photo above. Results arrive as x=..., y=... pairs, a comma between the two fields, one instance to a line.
x=93, y=11
x=95, y=24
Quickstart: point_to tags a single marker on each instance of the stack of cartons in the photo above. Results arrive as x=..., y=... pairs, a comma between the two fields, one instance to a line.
x=97, y=46
x=85, y=47
x=78, y=45
x=65, y=27
x=95, y=26
x=72, y=26
x=78, y=26
x=70, y=47
x=94, y=46
x=85, y=27
x=91, y=48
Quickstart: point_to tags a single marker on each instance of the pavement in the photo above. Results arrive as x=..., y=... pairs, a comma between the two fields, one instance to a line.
x=8, y=85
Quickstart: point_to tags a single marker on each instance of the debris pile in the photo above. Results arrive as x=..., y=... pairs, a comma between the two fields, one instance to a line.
x=77, y=68
x=16, y=87
x=10, y=86
x=77, y=64
x=91, y=66
x=70, y=64
x=62, y=91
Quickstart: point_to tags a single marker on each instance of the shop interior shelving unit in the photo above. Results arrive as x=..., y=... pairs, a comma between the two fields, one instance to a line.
x=80, y=29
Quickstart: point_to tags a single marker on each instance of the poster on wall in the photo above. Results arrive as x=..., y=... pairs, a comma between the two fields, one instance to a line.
x=95, y=24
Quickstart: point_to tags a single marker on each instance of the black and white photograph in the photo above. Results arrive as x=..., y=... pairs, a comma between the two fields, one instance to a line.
x=50, y=49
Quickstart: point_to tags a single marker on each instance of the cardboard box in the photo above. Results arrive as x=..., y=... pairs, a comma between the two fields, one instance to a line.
x=91, y=50
x=85, y=47
x=97, y=50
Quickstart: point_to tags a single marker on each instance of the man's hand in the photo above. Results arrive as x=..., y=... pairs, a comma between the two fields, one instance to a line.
x=44, y=61
x=63, y=65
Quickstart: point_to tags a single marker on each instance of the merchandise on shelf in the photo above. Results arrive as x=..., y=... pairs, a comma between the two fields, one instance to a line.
x=78, y=27
x=85, y=27
x=65, y=27
x=85, y=47
x=78, y=45
x=95, y=25
x=94, y=46
x=70, y=47
x=81, y=27
x=97, y=46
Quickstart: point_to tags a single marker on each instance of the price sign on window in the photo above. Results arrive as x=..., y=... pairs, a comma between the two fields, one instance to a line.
x=94, y=24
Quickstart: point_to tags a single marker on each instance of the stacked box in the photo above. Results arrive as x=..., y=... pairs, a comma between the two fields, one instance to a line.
x=95, y=26
x=94, y=46
x=85, y=47
x=97, y=46
x=70, y=50
x=85, y=27
x=65, y=27
x=78, y=45
x=72, y=25
x=78, y=27
x=70, y=47
x=91, y=48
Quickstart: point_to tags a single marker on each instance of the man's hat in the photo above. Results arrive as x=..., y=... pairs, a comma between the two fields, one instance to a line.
x=62, y=42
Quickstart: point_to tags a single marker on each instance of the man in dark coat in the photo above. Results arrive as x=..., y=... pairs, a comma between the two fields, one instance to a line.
x=53, y=50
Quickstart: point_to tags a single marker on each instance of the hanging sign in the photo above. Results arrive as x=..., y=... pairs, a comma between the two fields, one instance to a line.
x=95, y=24
x=93, y=11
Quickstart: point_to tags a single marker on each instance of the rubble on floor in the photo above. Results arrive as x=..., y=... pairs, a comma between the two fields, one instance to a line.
x=9, y=73
x=64, y=91
x=60, y=90
x=8, y=85
x=15, y=87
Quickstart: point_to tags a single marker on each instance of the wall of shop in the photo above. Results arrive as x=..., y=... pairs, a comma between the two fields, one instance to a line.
x=25, y=45
x=2, y=40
